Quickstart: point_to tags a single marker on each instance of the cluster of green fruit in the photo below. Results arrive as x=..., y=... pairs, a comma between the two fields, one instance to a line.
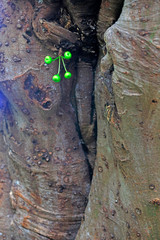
x=56, y=77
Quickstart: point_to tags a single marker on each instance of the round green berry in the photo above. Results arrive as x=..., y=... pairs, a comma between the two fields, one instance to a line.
x=48, y=59
x=56, y=78
x=67, y=55
x=67, y=75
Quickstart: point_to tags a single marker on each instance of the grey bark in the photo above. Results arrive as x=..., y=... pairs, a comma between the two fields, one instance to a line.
x=42, y=134
x=124, y=197
x=48, y=131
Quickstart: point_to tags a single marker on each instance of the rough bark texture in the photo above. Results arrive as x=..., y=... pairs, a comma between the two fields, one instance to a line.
x=124, y=198
x=47, y=145
x=47, y=130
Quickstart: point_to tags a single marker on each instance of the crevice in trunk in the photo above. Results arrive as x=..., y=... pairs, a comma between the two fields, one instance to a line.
x=108, y=15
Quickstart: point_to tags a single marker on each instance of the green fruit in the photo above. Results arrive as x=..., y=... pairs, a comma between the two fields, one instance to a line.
x=56, y=78
x=67, y=75
x=67, y=55
x=48, y=59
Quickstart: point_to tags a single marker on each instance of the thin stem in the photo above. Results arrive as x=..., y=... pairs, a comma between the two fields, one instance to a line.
x=54, y=59
x=59, y=65
x=64, y=65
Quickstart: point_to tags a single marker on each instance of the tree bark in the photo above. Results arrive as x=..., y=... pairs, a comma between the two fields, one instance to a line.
x=48, y=146
x=48, y=130
x=124, y=196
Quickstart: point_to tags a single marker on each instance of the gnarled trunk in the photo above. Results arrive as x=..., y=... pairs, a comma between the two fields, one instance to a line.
x=124, y=197
x=48, y=145
x=48, y=130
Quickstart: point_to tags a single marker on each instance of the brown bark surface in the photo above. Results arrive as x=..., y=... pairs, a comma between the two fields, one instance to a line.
x=48, y=130
x=45, y=140
x=124, y=197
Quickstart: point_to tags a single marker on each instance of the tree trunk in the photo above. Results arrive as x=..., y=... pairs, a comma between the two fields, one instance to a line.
x=124, y=198
x=48, y=129
x=48, y=145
